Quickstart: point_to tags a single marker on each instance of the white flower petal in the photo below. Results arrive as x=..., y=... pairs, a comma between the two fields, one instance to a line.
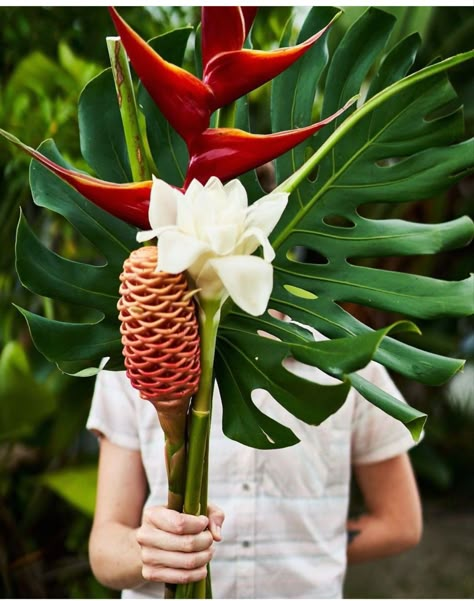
x=207, y=280
x=146, y=235
x=156, y=233
x=251, y=240
x=214, y=184
x=177, y=252
x=236, y=194
x=266, y=212
x=247, y=279
x=222, y=238
x=194, y=189
x=186, y=217
x=163, y=204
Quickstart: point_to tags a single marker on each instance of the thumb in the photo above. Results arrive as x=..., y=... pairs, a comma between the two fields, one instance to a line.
x=216, y=518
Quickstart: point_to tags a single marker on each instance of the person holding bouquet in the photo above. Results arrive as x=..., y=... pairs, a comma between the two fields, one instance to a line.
x=286, y=532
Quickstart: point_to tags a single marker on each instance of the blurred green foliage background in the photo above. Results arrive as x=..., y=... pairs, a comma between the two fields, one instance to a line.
x=47, y=460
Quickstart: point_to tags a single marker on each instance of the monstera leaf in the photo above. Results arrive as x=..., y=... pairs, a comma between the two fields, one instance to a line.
x=74, y=346
x=397, y=150
x=401, y=143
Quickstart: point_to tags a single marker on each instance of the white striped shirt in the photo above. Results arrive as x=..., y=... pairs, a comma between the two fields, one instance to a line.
x=284, y=535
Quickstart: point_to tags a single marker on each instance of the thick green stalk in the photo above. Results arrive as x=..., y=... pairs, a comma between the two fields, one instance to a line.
x=128, y=110
x=199, y=429
x=173, y=425
x=174, y=428
x=226, y=116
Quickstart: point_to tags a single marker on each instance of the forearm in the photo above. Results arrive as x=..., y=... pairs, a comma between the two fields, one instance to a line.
x=372, y=537
x=114, y=556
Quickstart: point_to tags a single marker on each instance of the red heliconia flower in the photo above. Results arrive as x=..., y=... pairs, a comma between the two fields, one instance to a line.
x=224, y=29
x=128, y=202
x=187, y=103
x=183, y=99
x=229, y=71
x=231, y=152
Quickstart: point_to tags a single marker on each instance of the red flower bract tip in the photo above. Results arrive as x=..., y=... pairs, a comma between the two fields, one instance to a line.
x=227, y=153
x=183, y=99
x=232, y=74
x=128, y=202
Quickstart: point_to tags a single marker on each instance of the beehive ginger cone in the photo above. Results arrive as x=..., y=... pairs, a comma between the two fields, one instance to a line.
x=161, y=346
x=160, y=331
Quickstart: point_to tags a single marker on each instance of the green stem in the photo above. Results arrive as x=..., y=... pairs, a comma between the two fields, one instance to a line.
x=174, y=427
x=226, y=115
x=290, y=184
x=195, y=499
x=128, y=110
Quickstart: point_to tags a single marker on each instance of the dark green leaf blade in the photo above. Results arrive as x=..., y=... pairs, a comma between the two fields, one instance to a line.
x=62, y=341
x=402, y=144
x=259, y=354
x=111, y=236
x=412, y=295
x=75, y=346
x=414, y=420
x=242, y=420
x=101, y=130
x=293, y=91
x=333, y=321
x=51, y=274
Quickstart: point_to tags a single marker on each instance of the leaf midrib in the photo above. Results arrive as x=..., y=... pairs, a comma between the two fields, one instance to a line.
x=358, y=238
x=303, y=212
x=345, y=283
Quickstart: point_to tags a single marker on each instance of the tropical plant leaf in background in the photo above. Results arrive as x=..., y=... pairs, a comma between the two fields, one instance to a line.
x=398, y=145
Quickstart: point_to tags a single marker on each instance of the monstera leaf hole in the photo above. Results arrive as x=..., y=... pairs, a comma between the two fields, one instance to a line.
x=303, y=254
x=299, y=292
x=447, y=110
x=388, y=162
x=338, y=221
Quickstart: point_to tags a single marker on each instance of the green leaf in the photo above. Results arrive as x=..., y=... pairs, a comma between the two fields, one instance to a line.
x=247, y=361
x=397, y=147
x=73, y=346
x=402, y=143
x=76, y=485
x=167, y=148
x=67, y=342
x=24, y=401
x=71, y=281
x=293, y=91
x=391, y=149
x=335, y=322
x=414, y=420
x=101, y=130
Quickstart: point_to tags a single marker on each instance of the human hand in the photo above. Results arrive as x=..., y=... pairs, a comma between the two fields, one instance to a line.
x=176, y=547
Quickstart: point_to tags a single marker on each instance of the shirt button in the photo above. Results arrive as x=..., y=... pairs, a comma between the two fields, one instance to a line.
x=246, y=544
x=246, y=486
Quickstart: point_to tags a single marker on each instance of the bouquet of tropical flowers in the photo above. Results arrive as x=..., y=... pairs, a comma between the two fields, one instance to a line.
x=196, y=306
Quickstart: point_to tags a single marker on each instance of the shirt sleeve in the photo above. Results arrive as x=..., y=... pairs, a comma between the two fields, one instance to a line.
x=113, y=411
x=377, y=436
